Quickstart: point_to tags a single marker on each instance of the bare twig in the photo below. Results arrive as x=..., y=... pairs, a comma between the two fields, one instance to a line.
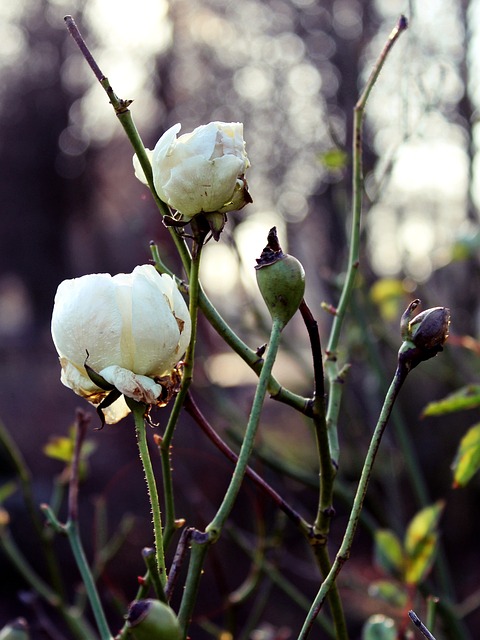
x=419, y=624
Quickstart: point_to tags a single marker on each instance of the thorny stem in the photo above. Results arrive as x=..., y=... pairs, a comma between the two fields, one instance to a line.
x=344, y=552
x=165, y=442
x=138, y=410
x=331, y=367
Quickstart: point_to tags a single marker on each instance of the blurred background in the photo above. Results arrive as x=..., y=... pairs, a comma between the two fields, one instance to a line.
x=291, y=71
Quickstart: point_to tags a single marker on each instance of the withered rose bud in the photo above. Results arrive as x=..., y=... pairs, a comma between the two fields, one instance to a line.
x=430, y=328
x=423, y=335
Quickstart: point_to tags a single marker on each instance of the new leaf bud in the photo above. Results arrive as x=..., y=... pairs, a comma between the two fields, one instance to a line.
x=153, y=620
x=281, y=280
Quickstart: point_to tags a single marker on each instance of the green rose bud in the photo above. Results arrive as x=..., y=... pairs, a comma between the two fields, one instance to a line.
x=153, y=620
x=281, y=280
x=379, y=627
x=16, y=630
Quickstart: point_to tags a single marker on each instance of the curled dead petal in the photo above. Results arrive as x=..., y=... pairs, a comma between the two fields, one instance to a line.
x=139, y=388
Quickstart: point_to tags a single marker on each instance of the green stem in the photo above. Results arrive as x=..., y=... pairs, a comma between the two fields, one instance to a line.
x=193, y=290
x=15, y=556
x=192, y=408
x=71, y=529
x=201, y=542
x=77, y=626
x=215, y=527
x=331, y=368
x=73, y=533
x=200, y=546
x=325, y=510
x=138, y=410
x=335, y=602
x=344, y=551
x=276, y=576
x=44, y=535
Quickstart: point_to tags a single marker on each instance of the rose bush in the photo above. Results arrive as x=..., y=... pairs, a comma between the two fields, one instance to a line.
x=201, y=171
x=134, y=327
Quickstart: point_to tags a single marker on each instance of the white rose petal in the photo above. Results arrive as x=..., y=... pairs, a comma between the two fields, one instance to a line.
x=139, y=388
x=202, y=171
x=139, y=173
x=134, y=327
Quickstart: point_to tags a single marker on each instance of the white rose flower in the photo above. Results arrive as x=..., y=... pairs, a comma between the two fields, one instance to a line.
x=202, y=171
x=135, y=328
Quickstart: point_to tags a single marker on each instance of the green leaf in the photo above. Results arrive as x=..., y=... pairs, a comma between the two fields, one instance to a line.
x=334, y=159
x=388, y=294
x=388, y=552
x=7, y=490
x=467, y=460
x=389, y=592
x=62, y=447
x=465, y=398
x=59, y=448
x=421, y=541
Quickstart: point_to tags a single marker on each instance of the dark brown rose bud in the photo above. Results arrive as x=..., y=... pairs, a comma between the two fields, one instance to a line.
x=423, y=335
x=430, y=328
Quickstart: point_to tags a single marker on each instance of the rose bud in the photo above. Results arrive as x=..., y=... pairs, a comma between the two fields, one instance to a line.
x=424, y=335
x=150, y=619
x=281, y=280
x=15, y=630
x=202, y=171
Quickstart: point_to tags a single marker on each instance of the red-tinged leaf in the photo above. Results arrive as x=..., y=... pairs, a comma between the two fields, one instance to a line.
x=465, y=398
x=467, y=460
x=420, y=543
x=389, y=554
